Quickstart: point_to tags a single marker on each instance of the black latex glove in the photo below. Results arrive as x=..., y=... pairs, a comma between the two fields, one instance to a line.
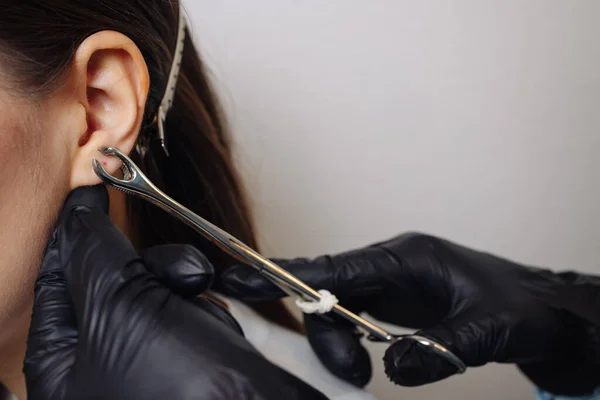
x=105, y=327
x=483, y=308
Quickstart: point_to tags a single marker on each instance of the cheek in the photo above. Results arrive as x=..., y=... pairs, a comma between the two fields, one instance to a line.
x=33, y=184
x=34, y=160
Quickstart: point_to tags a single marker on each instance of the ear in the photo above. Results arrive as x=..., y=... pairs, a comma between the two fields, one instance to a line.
x=113, y=82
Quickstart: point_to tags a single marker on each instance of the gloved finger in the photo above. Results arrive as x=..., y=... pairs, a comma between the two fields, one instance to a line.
x=351, y=273
x=363, y=272
x=476, y=338
x=247, y=284
x=336, y=343
x=408, y=363
x=53, y=323
x=53, y=330
x=217, y=310
x=472, y=338
x=181, y=268
x=97, y=258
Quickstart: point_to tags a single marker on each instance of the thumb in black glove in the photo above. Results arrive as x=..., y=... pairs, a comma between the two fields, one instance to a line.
x=105, y=327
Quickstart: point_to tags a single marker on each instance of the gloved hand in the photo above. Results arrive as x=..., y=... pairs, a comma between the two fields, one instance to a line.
x=105, y=327
x=481, y=307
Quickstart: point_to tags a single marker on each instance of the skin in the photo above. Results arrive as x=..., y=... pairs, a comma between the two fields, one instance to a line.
x=47, y=150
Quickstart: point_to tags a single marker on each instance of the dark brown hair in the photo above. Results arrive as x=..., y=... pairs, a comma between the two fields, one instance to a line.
x=38, y=40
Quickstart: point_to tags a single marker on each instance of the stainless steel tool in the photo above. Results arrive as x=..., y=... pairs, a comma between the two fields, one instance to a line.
x=134, y=182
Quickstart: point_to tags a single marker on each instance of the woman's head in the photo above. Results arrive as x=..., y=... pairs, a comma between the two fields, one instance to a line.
x=78, y=74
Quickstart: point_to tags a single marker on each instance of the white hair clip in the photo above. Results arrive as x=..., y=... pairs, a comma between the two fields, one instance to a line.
x=167, y=101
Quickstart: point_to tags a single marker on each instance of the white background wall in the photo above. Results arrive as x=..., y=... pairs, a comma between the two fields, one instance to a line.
x=476, y=120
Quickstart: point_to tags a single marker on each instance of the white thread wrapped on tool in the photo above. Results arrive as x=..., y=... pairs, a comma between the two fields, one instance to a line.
x=326, y=304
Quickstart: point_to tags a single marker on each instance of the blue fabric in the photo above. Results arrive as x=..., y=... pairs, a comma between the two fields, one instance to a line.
x=541, y=395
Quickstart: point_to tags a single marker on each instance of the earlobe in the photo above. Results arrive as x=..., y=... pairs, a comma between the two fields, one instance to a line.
x=116, y=81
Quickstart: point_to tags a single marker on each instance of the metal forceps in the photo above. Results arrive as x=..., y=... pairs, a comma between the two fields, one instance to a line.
x=134, y=182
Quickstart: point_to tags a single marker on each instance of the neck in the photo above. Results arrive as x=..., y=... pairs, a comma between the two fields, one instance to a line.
x=118, y=211
x=13, y=342
x=13, y=354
